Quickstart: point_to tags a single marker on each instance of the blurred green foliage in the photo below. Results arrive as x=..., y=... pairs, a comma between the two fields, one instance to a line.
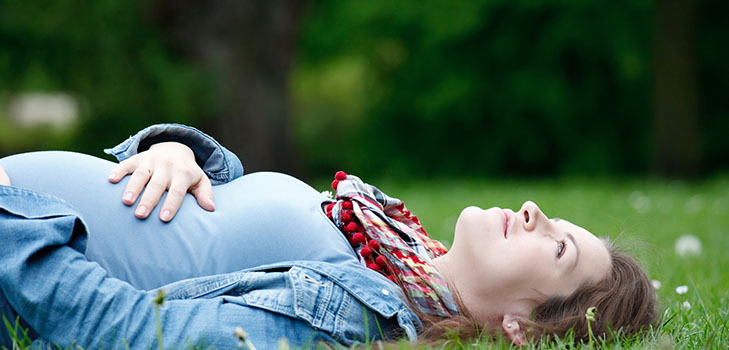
x=387, y=87
x=491, y=86
x=108, y=55
x=495, y=87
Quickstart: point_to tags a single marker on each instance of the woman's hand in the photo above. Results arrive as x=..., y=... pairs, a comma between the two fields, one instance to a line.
x=166, y=166
x=4, y=178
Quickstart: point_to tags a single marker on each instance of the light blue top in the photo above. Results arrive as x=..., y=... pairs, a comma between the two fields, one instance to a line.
x=260, y=218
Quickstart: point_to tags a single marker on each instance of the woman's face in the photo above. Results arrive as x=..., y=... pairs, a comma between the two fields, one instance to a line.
x=508, y=259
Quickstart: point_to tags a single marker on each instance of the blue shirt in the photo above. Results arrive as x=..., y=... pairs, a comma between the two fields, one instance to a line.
x=260, y=218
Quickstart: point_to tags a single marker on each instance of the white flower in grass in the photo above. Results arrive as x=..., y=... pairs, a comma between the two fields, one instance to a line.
x=685, y=305
x=680, y=290
x=687, y=245
x=656, y=284
x=243, y=337
x=240, y=333
x=694, y=204
x=639, y=202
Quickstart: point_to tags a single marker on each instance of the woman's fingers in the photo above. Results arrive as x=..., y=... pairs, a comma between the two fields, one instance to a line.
x=199, y=185
x=140, y=177
x=122, y=169
x=203, y=191
x=175, y=196
x=156, y=186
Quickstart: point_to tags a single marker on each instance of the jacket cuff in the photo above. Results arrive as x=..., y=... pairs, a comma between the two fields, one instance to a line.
x=218, y=163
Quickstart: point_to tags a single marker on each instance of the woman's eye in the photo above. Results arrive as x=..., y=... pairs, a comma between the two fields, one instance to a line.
x=560, y=248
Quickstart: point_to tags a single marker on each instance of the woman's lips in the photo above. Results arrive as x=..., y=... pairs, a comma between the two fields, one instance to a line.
x=506, y=221
x=508, y=218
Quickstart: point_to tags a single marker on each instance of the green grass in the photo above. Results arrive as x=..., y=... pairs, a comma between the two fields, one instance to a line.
x=645, y=215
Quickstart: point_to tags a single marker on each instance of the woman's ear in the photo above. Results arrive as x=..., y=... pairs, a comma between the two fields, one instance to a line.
x=513, y=330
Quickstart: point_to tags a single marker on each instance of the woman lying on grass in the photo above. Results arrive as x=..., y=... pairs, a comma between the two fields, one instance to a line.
x=280, y=259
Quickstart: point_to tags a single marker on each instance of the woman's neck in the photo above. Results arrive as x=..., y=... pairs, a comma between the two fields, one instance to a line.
x=464, y=287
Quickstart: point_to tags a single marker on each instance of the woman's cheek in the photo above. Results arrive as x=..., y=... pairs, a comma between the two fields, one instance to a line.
x=469, y=231
x=522, y=256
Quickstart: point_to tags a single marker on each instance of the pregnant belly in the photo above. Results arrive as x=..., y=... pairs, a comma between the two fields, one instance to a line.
x=260, y=218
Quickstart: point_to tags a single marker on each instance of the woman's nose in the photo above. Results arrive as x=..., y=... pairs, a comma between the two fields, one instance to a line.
x=531, y=216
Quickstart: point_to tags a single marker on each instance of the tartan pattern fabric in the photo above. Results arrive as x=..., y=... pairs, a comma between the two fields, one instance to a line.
x=398, y=237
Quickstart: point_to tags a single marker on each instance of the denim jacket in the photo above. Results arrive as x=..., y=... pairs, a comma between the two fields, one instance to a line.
x=64, y=299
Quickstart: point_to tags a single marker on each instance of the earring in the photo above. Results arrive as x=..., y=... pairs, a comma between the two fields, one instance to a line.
x=508, y=325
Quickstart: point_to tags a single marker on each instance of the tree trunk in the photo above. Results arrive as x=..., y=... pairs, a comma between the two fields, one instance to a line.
x=249, y=45
x=676, y=121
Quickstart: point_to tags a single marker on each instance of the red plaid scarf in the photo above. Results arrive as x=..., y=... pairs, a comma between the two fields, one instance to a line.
x=390, y=240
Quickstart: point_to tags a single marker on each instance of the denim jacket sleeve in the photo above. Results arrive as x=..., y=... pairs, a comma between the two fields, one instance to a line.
x=68, y=300
x=217, y=162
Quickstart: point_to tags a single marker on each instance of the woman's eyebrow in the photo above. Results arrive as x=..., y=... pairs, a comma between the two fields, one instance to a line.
x=577, y=249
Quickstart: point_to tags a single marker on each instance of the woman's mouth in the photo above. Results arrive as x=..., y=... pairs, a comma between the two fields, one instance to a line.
x=506, y=221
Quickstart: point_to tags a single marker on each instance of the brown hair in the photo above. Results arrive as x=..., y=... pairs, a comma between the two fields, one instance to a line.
x=625, y=301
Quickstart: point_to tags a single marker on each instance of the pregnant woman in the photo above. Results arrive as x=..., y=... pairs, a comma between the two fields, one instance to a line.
x=280, y=259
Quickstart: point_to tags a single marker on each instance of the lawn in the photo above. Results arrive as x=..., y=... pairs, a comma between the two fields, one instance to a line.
x=647, y=216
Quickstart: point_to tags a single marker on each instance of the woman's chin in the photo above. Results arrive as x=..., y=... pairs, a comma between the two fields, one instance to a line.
x=476, y=226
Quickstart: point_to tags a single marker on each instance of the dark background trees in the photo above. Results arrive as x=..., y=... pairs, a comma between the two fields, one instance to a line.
x=248, y=46
x=385, y=88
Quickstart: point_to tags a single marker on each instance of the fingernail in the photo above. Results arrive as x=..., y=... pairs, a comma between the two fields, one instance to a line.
x=212, y=204
x=128, y=196
x=112, y=176
x=166, y=215
x=141, y=210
